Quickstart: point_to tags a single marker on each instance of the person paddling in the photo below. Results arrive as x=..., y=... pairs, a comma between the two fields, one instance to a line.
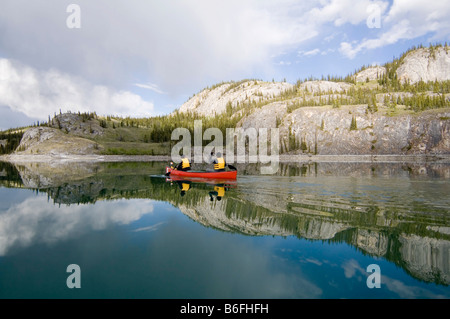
x=184, y=165
x=219, y=163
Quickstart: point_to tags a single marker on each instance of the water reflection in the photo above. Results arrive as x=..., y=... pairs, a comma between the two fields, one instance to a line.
x=397, y=212
x=33, y=221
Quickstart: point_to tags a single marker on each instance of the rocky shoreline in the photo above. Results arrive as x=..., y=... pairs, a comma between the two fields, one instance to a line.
x=18, y=158
x=421, y=158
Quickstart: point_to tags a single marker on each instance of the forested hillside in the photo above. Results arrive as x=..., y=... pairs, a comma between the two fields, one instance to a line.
x=417, y=81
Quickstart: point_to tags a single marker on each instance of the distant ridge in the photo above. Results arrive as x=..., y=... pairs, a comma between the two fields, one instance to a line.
x=399, y=108
x=418, y=64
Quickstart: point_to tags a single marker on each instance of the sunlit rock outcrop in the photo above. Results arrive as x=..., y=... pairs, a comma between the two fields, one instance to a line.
x=373, y=242
x=315, y=228
x=426, y=258
x=214, y=214
x=426, y=65
x=370, y=74
x=54, y=174
x=214, y=100
x=51, y=141
x=325, y=86
x=328, y=131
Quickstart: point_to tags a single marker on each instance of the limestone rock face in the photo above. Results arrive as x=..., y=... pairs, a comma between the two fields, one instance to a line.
x=325, y=86
x=215, y=100
x=327, y=131
x=36, y=135
x=266, y=117
x=426, y=258
x=371, y=74
x=375, y=243
x=54, y=174
x=76, y=124
x=213, y=214
x=321, y=229
x=426, y=65
x=50, y=141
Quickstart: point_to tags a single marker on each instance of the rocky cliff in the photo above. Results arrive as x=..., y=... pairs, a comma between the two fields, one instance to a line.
x=423, y=64
x=327, y=130
x=65, y=134
x=372, y=112
x=212, y=101
x=52, y=141
x=325, y=117
x=370, y=74
x=426, y=65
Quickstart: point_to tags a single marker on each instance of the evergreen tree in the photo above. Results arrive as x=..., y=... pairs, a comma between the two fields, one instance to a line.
x=353, y=125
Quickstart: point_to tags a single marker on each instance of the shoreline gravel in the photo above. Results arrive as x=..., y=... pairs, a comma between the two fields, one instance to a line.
x=429, y=158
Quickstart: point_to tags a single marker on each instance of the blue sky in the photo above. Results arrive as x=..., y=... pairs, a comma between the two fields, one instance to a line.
x=144, y=58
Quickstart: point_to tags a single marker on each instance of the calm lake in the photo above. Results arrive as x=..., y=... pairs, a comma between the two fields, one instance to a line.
x=310, y=231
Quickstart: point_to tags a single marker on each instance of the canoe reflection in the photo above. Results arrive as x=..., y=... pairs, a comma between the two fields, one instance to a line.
x=220, y=186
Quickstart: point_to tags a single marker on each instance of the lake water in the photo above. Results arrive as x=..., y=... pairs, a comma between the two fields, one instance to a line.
x=311, y=231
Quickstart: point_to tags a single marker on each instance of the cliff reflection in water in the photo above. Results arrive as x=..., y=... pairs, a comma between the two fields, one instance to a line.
x=399, y=212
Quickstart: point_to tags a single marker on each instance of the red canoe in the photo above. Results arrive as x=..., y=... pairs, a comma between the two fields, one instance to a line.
x=202, y=174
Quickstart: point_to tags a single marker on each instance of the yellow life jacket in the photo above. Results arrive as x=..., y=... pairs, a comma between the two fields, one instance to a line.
x=220, y=164
x=185, y=163
x=185, y=187
x=220, y=190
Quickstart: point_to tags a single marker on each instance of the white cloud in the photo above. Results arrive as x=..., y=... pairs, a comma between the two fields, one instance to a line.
x=405, y=291
x=38, y=94
x=347, y=49
x=180, y=43
x=21, y=225
x=404, y=21
x=401, y=30
x=312, y=52
x=150, y=228
x=352, y=269
x=284, y=63
x=150, y=86
x=340, y=12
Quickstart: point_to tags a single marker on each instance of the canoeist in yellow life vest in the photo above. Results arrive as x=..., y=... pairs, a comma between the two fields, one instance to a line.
x=219, y=163
x=219, y=192
x=184, y=186
x=184, y=165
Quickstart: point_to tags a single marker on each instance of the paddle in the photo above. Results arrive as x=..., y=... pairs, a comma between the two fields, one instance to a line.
x=168, y=173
